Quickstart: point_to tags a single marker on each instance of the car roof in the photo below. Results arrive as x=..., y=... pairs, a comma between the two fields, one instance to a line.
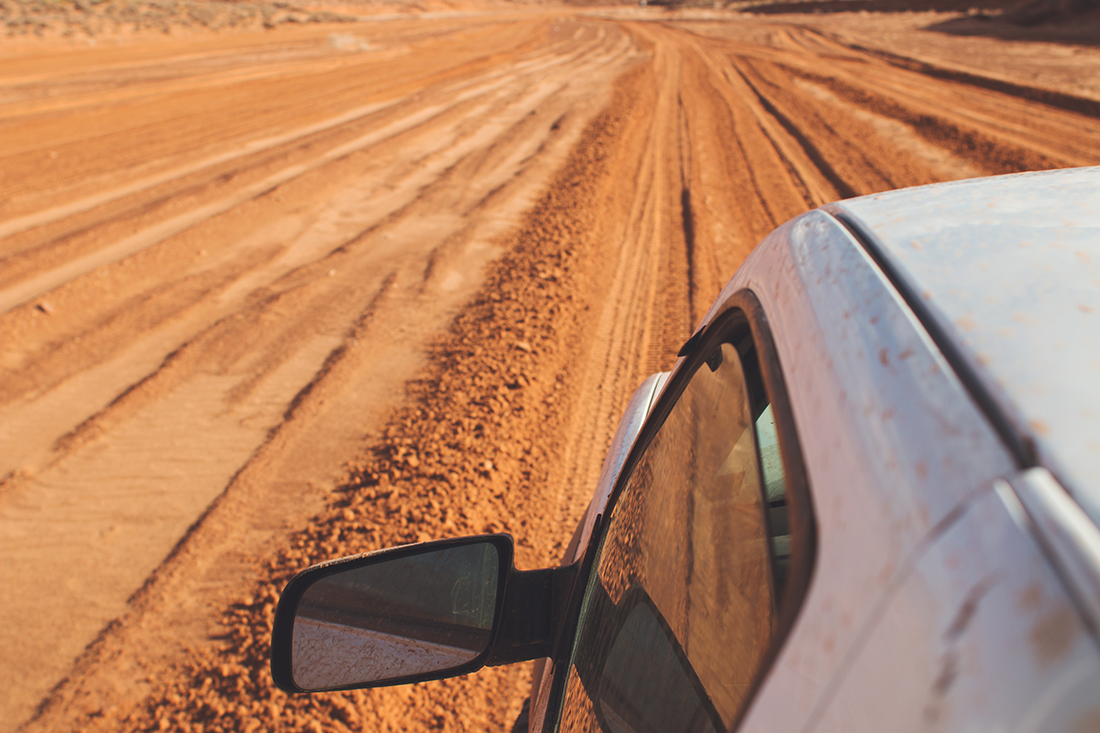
x=1009, y=268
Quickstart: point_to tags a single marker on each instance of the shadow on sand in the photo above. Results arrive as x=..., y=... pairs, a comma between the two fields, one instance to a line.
x=1082, y=30
x=1051, y=21
x=881, y=6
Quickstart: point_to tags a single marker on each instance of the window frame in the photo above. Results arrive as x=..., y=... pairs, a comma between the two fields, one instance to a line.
x=740, y=315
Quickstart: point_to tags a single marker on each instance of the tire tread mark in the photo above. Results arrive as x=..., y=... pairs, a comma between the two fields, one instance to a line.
x=842, y=186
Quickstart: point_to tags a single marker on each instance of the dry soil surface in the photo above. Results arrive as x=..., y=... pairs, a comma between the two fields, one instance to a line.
x=268, y=298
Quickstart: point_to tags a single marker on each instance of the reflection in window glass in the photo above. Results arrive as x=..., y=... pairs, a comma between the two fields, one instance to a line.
x=647, y=686
x=693, y=538
x=775, y=492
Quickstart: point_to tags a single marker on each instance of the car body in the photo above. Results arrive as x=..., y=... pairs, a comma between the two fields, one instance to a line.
x=865, y=498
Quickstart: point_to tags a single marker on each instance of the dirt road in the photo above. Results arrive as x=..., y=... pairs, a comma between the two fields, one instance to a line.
x=272, y=298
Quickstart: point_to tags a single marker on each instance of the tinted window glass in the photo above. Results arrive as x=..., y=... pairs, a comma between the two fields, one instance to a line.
x=683, y=606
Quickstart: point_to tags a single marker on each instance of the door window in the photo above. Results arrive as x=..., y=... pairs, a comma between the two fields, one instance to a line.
x=686, y=598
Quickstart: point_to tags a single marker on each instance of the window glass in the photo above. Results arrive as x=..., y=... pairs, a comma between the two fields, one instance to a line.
x=775, y=493
x=684, y=602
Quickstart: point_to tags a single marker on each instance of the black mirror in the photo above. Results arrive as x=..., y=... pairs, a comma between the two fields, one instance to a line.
x=400, y=615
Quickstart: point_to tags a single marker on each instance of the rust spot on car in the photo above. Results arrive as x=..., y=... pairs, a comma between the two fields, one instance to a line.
x=946, y=678
x=966, y=611
x=1088, y=723
x=1039, y=427
x=949, y=671
x=1053, y=634
x=884, y=357
x=949, y=664
x=1030, y=597
x=1084, y=308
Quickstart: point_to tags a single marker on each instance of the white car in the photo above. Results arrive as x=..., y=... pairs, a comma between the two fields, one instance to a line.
x=865, y=499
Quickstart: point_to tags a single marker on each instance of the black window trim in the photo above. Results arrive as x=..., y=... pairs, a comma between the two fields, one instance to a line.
x=740, y=312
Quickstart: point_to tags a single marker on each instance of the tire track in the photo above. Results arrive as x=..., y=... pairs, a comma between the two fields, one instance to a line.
x=1014, y=132
x=814, y=39
x=969, y=141
x=251, y=323
x=173, y=124
x=254, y=154
x=451, y=152
x=14, y=295
x=442, y=462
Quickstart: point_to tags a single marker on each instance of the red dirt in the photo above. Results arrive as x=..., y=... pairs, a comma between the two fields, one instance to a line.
x=271, y=298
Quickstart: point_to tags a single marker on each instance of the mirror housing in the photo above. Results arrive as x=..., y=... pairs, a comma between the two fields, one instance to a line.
x=412, y=613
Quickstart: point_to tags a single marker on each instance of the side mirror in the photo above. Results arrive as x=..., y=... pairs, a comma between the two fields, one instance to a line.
x=401, y=615
x=414, y=613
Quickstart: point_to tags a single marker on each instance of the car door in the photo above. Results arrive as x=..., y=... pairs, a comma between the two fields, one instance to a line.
x=706, y=552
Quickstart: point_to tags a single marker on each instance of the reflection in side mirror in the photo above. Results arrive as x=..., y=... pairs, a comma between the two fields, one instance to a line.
x=395, y=616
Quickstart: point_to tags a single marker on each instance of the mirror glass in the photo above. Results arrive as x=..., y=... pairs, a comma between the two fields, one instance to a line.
x=396, y=618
